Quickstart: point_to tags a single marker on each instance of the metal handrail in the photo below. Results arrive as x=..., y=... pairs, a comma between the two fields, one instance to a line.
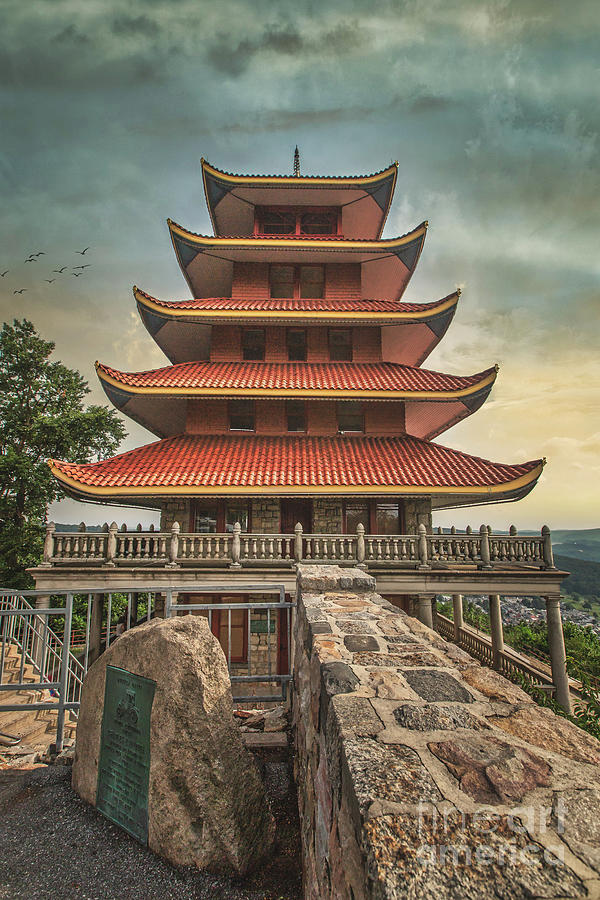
x=60, y=672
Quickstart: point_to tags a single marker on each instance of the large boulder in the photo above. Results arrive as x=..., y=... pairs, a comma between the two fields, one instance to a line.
x=206, y=802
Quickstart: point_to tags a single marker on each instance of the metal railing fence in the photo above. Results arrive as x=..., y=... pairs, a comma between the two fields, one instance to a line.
x=51, y=675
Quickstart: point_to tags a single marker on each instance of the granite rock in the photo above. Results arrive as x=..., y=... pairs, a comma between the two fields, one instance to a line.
x=206, y=802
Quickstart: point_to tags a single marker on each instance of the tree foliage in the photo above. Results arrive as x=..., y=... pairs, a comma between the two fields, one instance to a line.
x=42, y=416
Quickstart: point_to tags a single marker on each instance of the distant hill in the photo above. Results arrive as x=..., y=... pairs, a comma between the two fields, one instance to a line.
x=584, y=544
x=61, y=527
x=584, y=578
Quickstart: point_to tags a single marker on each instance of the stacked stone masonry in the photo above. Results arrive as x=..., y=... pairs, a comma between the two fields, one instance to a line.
x=422, y=774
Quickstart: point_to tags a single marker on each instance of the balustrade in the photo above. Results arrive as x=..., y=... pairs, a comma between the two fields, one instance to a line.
x=119, y=547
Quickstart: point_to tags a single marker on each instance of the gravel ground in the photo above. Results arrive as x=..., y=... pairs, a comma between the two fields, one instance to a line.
x=56, y=846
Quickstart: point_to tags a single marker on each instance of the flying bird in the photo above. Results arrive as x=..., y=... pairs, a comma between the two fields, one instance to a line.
x=87, y=266
x=76, y=274
x=82, y=252
x=2, y=274
x=22, y=291
x=60, y=271
x=31, y=259
x=49, y=280
x=40, y=253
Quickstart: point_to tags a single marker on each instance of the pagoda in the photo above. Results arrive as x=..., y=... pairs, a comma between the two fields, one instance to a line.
x=296, y=391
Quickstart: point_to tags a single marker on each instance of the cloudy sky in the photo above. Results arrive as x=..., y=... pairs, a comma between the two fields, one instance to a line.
x=490, y=107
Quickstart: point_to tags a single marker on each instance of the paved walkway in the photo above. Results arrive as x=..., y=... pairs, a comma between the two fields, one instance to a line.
x=53, y=845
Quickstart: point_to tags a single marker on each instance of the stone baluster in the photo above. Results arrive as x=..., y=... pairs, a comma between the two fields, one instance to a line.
x=485, y=547
x=111, y=544
x=49, y=544
x=174, y=546
x=548, y=554
x=423, y=561
x=298, y=542
x=459, y=622
x=236, y=547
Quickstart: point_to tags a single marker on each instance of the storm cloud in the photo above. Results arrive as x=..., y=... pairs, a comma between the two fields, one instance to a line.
x=490, y=107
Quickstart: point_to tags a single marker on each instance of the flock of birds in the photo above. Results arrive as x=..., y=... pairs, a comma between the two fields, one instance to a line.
x=76, y=271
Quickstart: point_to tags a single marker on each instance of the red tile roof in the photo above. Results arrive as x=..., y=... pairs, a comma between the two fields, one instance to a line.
x=329, y=304
x=299, y=376
x=255, y=461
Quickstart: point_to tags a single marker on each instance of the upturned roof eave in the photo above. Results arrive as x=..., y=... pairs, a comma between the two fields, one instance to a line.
x=122, y=382
x=77, y=482
x=419, y=313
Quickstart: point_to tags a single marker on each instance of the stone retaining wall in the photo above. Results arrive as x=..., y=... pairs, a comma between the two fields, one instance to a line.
x=422, y=774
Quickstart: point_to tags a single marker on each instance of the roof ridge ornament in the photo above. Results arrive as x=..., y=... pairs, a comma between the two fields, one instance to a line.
x=296, y=162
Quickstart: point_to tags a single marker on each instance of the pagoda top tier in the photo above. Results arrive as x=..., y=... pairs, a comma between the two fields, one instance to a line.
x=361, y=201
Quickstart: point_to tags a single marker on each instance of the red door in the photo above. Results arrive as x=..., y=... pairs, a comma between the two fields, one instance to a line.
x=294, y=511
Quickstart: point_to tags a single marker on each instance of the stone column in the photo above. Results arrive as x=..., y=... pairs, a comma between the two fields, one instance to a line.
x=497, y=630
x=457, y=606
x=425, y=612
x=558, y=657
x=95, y=635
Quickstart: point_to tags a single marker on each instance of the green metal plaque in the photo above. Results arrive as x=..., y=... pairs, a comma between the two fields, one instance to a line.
x=124, y=765
x=259, y=626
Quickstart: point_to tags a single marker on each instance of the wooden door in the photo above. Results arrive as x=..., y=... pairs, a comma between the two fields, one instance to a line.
x=294, y=511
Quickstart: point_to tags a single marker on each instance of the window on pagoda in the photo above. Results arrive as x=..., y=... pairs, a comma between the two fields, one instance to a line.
x=296, y=344
x=293, y=282
x=274, y=222
x=237, y=512
x=357, y=514
x=311, y=282
x=205, y=517
x=295, y=411
x=253, y=343
x=387, y=518
x=241, y=415
x=319, y=223
x=350, y=416
x=340, y=344
x=297, y=221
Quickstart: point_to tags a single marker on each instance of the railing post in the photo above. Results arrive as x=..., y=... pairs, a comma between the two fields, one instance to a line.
x=497, y=630
x=64, y=673
x=298, y=542
x=49, y=545
x=174, y=546
x=558, y=656
x=548, y=554
x=111, y=544
x=422, y=548
x=485, y=547
x=360, y=546
x=457, y=606
x=236, y=547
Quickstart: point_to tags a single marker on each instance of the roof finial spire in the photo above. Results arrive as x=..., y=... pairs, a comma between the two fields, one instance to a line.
x=296, y=162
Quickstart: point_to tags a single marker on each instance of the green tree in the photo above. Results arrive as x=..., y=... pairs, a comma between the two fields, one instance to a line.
x=42, y=416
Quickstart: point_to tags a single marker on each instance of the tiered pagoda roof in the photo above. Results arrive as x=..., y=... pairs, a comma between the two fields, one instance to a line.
x=402, y=462
x=182, y=328
x=298, y=465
